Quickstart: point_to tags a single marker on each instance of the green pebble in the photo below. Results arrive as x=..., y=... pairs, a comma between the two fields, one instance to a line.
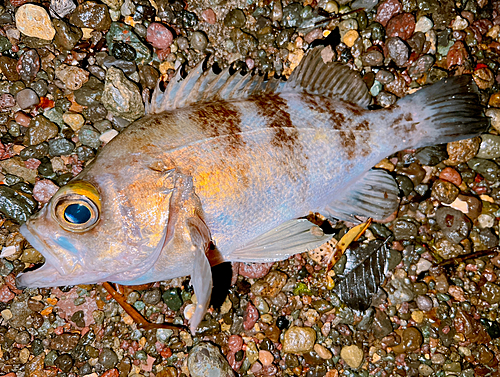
x=172, y=298
x=301, y=289
x=139, y=305
x=443, y=297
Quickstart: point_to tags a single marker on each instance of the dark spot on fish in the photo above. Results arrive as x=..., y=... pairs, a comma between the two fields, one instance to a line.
x=355, y=109
x=275, y=110
x=353, y=137
x=348, y=143
x=404, y=125
x=220, y=120
x=286, y=136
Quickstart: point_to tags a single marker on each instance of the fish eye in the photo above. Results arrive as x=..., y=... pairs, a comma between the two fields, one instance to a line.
x=76, y=207
x=77, y=213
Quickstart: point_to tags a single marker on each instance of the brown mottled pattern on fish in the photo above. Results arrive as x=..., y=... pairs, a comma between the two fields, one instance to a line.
x=220, y=120
x=286, y=136
x=353, y=129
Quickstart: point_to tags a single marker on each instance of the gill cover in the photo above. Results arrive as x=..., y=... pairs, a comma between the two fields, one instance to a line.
x=76, y=207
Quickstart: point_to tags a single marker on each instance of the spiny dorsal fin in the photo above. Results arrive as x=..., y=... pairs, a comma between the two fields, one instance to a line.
x=332, y=79
x=312, y=76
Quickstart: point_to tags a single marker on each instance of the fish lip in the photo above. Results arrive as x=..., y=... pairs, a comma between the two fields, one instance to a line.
x=41, y=247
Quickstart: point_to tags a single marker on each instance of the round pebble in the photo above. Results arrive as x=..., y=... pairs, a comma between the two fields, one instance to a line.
x=299, y=339
x=32, y=20
x=352, y=355
x=159, y=35
x=27, y=98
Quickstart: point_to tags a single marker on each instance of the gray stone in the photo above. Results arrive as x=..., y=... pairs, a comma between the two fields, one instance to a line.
x=206, y=360
x=121, y=96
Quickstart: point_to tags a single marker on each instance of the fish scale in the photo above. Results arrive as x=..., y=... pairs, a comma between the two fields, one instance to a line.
x=236, y=161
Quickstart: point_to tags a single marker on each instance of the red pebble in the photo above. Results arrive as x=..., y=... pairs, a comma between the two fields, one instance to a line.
x=235, y=342
x=6, y=101
x=159, y=36
x=250, y=317
x=387, y=10
x=22, y=119
x=209, y=16
x=451, y=175
x=5, y=294
x=402, y=26
x=32, y=163
x=457, y=54
x=111, y=373
x=162, y=54
x=254, y=270
x=44, y=190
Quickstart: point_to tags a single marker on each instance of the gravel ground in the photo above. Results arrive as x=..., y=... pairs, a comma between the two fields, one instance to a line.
x=437, y=312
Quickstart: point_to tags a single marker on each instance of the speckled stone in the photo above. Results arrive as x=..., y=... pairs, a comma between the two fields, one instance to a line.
x=205, y=359
x=299, y=339
x=121, y=96
x=33, y=20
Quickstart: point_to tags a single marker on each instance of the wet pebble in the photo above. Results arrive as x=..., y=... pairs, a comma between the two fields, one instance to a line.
x=73, y=77
x=387, y=10
x=44, y=190
x=152, y=296
x=453, y=223
x=451, y=175
x=61, y=147
x=41, y=129
x=372, y=58
x=424, y=303
x=34, y=21
x=402, y=25
x=159, y=35
x=352, y=355
x=444, y=191
x=199, y=41
x=235, y=18
x=205, y=359
x=490, y=146
x=299, y=339
x=411, y=340
x=121, y=96
x=27, y=98
x=93, y=15
x=398, y=50
x=108, y=358
x=89, y=136
x=64, y=362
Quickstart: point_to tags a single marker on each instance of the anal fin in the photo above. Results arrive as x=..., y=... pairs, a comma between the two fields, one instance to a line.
x=292, y=237
x=374, y=195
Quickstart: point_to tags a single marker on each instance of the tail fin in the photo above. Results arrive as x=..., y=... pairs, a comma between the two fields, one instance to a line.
x=447, y=111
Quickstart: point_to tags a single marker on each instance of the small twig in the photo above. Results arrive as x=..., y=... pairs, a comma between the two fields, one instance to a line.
x=136, y=316
x=463, y=258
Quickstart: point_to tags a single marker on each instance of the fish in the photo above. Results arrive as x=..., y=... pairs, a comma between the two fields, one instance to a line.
x=224, y=167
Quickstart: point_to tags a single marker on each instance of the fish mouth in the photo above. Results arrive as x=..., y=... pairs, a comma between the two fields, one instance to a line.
x=54, y=272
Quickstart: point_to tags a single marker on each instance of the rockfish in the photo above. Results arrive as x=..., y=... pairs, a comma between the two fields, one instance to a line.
x=224, y=167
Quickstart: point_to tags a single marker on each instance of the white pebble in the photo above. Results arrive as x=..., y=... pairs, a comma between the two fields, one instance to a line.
x=459, y=23
x=424, y=24
x=107, y=136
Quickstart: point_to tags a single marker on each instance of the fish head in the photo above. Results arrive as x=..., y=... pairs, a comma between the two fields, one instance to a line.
x=85, y=235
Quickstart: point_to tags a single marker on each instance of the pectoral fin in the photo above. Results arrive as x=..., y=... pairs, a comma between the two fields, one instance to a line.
x=201, y=277
x=292, y=237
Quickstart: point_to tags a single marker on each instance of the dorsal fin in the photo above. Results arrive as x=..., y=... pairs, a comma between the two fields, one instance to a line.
x=332, y=79
x=313, y=76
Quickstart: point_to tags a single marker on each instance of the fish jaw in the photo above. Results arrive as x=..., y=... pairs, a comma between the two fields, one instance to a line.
x=61, y=267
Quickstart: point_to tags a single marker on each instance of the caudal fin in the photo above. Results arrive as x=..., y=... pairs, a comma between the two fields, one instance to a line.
x=446, y=111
